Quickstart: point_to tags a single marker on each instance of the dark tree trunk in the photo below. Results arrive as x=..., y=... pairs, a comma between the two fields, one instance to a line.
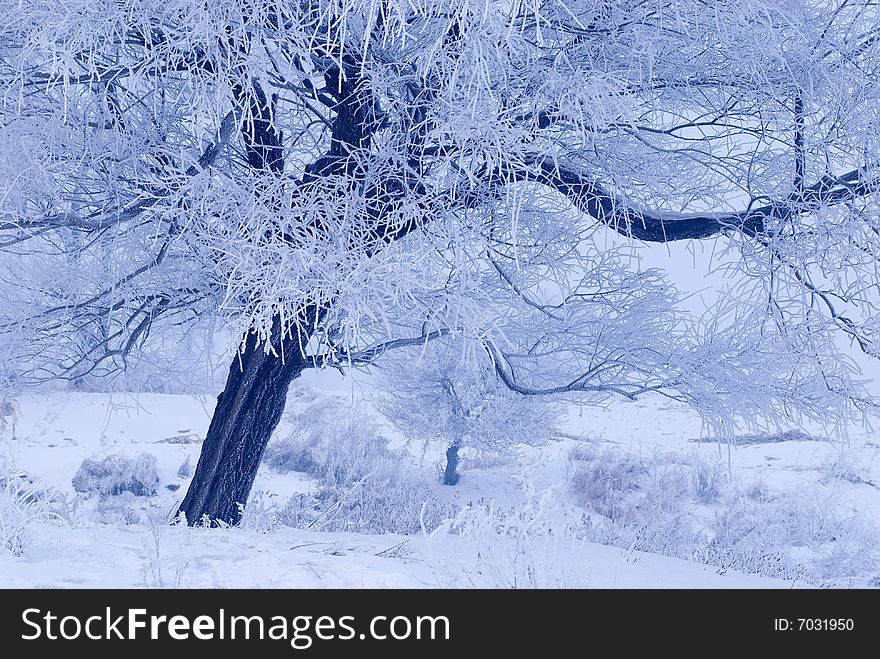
x=247, y=413
x=251, y=404
x=253, y=399
x=450, y=475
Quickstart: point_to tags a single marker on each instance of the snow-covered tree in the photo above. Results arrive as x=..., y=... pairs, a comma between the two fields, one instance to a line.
x=335, y=178
x=443, y=396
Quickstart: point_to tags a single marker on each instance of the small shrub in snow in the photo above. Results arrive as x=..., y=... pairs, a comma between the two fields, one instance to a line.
x=115, y=474
x=362, y=485
x=602, y=478
x=395, y=497
x=186, y=469
x=758, y=490
x=118, y=510
x=619, y=485
x=530, y=546
x=842, y=467
x=261, y=514
x=738, y=540
x=333, y=442
x=22, y=508
x=659, y=505
x=806, y=534
x=707, y=481
x=815, y=520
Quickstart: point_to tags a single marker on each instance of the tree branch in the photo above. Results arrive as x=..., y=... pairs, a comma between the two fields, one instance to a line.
x=367, y=356
x=593, y=199
x=579, y=385
x=103, y=219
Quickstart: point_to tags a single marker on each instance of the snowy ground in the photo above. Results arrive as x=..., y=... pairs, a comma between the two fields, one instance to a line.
x=523, y=523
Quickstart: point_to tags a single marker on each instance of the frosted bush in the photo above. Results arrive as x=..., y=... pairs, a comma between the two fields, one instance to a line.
x=261, y=513
x=707, y=481
x=530, y=546
x=742, y=542
x=842, y=467
x=804, y=533
x=622, y=486
x=333, y=442
x=115, y=474
x=22, y=508
x=685, y=509
x=17, y=513
x=118, y=510
x=826, y=527
x=362, y=485
x=186, y=469
x=395, y=497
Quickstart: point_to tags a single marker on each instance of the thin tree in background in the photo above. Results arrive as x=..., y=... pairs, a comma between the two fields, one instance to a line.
x=437, y=397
